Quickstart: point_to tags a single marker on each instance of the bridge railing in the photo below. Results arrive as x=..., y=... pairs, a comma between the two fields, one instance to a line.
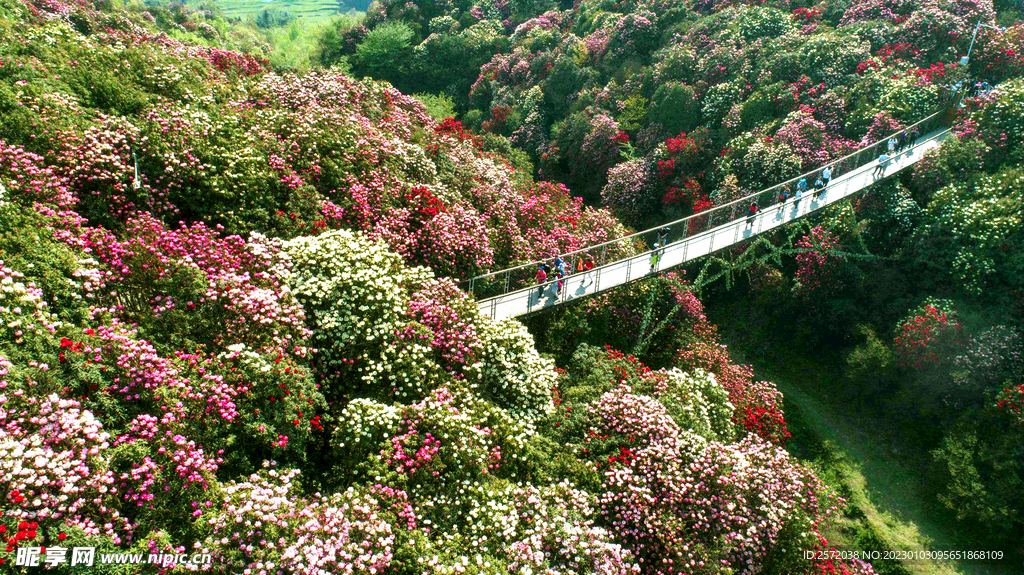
x=508, y=280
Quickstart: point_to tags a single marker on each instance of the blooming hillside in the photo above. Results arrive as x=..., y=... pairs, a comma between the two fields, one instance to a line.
x=661, y=109
x=135, y=120
x=229, y=324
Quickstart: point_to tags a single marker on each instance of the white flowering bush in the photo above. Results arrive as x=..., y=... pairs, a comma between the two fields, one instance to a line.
x=512, y=373
x=387, y=329
x=360, y=431
x=970, y=227
x=265, y=526
x=531, y=529
x=355, y=292
x=22, y=310
x=698, y=403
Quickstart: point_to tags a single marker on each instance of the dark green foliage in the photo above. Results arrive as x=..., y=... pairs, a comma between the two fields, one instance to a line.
x=676, y=107
x=871, y=368
x=270, y=18
x=384, y=52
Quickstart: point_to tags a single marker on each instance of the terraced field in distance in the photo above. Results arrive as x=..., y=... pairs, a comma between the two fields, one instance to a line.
x=305, y=9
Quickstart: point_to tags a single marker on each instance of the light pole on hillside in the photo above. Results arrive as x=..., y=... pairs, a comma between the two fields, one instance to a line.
x=967, y=58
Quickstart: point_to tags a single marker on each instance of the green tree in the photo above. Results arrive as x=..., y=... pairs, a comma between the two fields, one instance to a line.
x=384, y=52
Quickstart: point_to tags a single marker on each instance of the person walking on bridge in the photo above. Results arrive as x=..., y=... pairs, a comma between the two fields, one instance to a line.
x=819, y=186
x=663, y=235
x=826, y=175
x=560, y=266
x=655, y=255
x=542, y=278
x=751, y=212
x=560, y=273
x=912, y=135
x=883, y=162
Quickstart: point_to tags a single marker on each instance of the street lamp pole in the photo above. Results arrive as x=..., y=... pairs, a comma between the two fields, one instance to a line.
x=967, y=58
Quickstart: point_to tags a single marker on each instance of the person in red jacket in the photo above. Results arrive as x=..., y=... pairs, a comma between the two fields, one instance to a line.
x=542, y=278
x=751, y=213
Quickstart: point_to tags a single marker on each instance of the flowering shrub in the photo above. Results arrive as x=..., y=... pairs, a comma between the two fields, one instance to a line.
x=810, y=140
x=970, y=225
x=989, y=360
x=1012, y=400
x=55, y=469
x=818, y=273
x=355, y=291
x=631, y=190
x=386, y=327
x=511, y=371
x=926, y=336
x=1003, y=54
x=352, y=532
x=996, y=122
x=757, y=405
x=671, y=491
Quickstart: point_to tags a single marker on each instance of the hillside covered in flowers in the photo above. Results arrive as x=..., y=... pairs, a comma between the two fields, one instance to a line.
x=661, y=109
x=230, y=326
x=230, y=316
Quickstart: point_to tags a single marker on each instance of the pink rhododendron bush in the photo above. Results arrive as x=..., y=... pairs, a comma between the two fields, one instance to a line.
x=681, y=481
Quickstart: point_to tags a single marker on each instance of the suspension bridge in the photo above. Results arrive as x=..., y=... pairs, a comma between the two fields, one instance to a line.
x=512, y=292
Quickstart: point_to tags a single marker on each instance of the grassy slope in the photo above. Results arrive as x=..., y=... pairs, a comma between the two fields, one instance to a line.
x=862, y=456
